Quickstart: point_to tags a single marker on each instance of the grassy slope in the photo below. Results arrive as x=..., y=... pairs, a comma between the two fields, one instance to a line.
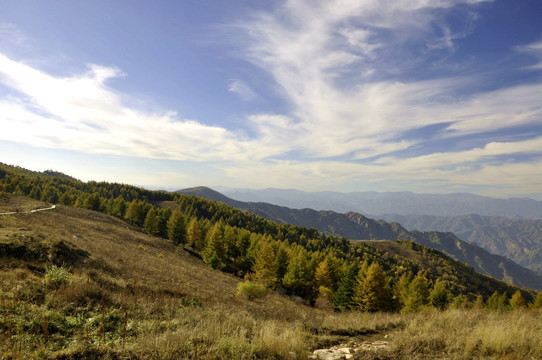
x=176, y=307
x=123, y=251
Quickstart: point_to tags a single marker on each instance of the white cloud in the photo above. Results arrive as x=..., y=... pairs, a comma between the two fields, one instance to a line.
x=534, y=49
x=339, y=65
x=321, y=52
x=10, y=33
x=242, y=89
x=82, y=113
x=466, y=157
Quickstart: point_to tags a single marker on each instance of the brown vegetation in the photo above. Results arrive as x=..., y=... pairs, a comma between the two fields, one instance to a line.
x=79, y=284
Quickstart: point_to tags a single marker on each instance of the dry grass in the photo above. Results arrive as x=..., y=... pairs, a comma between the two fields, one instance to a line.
x=470, y=334
x=11, y=203
x=128, y=295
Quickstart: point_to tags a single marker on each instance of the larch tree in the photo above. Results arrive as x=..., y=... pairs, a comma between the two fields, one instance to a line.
x=401, y=290
x=518, y=301
x=372, y=292
x=213, y=254
x=194, y=235
x=151, y=224
x=264, y=264
x=537, y=304
x=298, y=276
x=135, y=213
x=322, y=275
x=176, y=228
x=418, y=295
x=282, y=259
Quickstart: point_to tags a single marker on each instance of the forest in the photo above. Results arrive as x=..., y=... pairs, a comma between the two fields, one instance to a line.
x=324, y=271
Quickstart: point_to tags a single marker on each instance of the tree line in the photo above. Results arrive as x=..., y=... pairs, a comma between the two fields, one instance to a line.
x=325, y=270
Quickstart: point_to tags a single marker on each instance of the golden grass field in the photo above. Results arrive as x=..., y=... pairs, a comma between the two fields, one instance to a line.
x=117, y=293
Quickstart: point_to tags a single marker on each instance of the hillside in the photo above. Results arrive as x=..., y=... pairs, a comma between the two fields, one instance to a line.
x=356, y=226
x=87, y=282
x=115, y=268
x=118, y=293
x=517, y=239
x=403, y=203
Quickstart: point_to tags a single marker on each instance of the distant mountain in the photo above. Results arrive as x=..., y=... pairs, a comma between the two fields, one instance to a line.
x=358, y=227
x=516, y=239
x=403, y=203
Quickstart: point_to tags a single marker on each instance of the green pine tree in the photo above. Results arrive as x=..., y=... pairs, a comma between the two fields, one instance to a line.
x=418, y=295
x=439, y=296
x=343, y=298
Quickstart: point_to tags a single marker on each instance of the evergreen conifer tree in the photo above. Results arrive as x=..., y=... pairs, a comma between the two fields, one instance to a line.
x=439, y=295
x=343, y=298
x=418, y=295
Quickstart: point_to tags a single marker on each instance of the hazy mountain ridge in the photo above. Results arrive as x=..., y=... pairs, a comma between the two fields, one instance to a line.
x=358, y=227
x=517, y=239
x=403, y=203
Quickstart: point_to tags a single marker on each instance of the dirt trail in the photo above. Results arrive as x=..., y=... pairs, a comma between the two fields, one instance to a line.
x=27, y=212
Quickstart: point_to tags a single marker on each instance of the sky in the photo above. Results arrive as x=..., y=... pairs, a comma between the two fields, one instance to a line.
x=429, y=96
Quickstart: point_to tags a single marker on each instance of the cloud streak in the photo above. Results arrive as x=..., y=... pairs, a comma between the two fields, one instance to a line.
x=82, y=113
x=242, y=89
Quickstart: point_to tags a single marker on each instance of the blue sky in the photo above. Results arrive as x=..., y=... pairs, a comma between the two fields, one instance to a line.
x=431, y=96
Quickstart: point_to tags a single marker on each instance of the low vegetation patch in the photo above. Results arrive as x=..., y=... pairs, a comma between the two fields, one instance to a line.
x=251, y=290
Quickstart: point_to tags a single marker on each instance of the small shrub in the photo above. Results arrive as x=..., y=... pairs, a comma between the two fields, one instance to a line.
x=56, y=276
x=251, y=290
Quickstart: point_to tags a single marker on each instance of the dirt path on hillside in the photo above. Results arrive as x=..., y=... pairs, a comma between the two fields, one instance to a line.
x=27, y=212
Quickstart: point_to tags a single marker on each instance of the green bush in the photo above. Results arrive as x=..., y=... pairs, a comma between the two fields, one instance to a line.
x=251, y=290
x=55, y=276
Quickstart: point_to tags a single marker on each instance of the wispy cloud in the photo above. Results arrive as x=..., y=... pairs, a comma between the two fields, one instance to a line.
x=320, y=54
x=534, y=49
x=242, y=89
x=355, y=116
x=82, y=113
x=10, y=33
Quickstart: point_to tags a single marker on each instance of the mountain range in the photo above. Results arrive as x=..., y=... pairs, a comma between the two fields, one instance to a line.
x=402, y=203
x=356, y=226
x=517, y=239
